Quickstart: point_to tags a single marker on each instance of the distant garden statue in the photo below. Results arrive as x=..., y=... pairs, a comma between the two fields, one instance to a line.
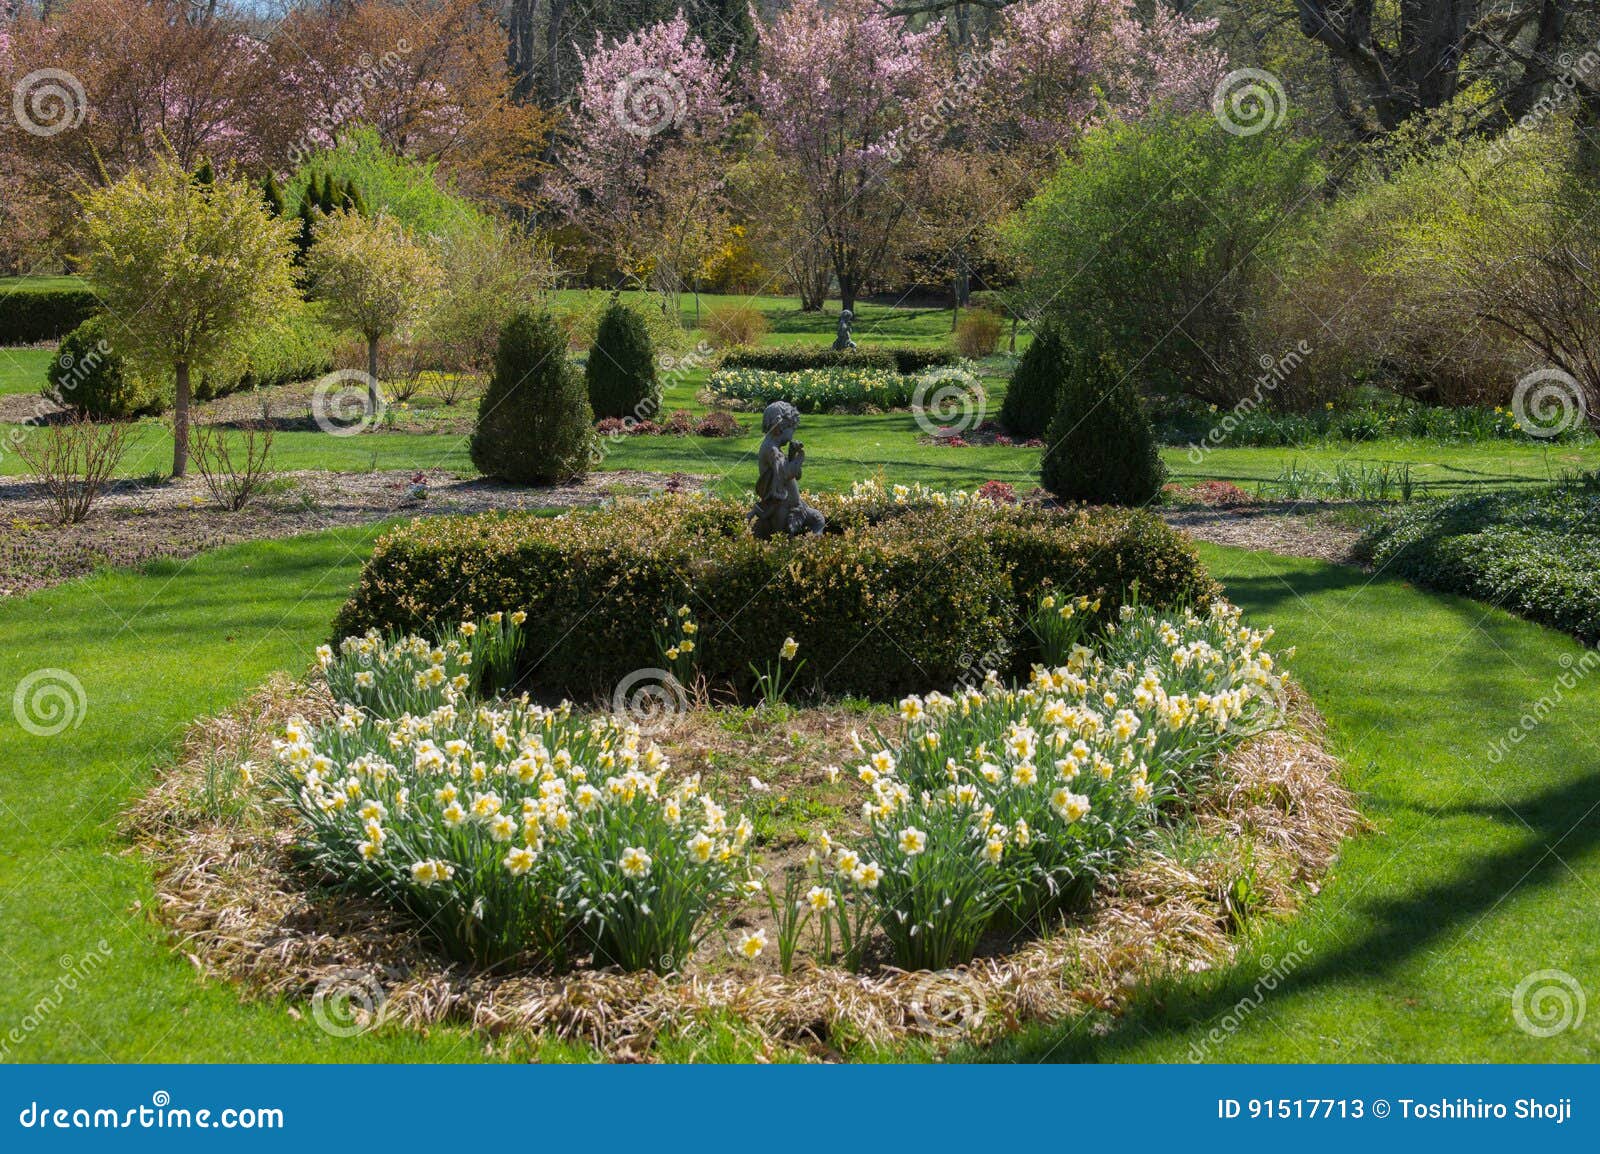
x=778, y=507
x=843, y=341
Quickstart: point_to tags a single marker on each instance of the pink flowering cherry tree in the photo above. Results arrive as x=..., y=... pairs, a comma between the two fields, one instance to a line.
x=840, y=86
x=1054, y=66
x=643, y=166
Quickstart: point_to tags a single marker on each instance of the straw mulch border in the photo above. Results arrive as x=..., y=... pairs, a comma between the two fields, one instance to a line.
x=230, y=900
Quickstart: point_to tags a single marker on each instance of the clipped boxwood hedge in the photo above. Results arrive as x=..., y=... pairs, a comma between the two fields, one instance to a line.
x=1533, y=554
x=30, y=316
x=797, y=358
x=893, y=600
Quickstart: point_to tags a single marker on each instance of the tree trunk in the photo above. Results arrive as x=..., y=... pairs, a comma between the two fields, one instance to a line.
x=847, y=293
x=180, y=421
x=372, y=377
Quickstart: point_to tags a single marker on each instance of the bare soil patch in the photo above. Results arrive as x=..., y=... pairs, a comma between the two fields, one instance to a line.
x=136, y=522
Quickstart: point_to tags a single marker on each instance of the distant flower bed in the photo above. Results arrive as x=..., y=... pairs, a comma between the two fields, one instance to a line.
x=816, y=390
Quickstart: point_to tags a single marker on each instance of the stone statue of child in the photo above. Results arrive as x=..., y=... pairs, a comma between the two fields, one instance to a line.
x=843, y=340
x=778, y=507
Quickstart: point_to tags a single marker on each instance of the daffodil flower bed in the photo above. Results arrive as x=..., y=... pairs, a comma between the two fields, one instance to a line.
x=507, y=829
x=1002, y=804
x=816, y=390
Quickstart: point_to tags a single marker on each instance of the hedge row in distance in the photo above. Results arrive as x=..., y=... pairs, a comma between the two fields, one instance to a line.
x=897, y=600
x=30, y=316
x=905, y=359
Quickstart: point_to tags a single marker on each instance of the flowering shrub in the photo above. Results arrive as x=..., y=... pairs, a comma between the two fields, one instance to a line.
x=506, y=830
x=1002, y=801
x=816, y=390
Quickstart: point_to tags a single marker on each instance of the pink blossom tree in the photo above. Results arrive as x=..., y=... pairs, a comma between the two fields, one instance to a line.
x=1055, y=65
x=642, y=169
x=840, y=86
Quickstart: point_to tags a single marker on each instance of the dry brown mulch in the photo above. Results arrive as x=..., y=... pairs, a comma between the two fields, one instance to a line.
x=228, y=895
x=1293, y=531
x=136, y=522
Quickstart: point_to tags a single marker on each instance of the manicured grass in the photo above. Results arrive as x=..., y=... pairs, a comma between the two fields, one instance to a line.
x=152, y=650
x=1476, y=874
x=13, y=283
x=843, y=447
x=22, y=370
x=1479, y=870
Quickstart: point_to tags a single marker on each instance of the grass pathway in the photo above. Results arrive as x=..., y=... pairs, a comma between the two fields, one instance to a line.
x=1476, y=875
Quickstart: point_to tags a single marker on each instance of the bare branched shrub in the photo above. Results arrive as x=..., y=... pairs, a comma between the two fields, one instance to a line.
x=233, y=471
x=74, y=460
x=736, y=324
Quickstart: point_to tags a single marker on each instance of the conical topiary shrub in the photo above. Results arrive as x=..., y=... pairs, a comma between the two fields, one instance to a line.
x=1100, y=448
x=1034, y=394
x=622, y=367
x=534, y=423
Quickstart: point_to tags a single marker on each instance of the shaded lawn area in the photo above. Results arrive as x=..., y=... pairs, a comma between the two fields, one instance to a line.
x=1476, y=874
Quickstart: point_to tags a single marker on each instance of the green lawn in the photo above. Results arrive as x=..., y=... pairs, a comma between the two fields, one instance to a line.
x=842, y=447
x=22, y=370
x=1475, y=875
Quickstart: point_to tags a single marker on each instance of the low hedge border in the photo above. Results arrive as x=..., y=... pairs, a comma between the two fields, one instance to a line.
x=30, y=316
x=1534, y=554
x=905, y=359
x=893, y=600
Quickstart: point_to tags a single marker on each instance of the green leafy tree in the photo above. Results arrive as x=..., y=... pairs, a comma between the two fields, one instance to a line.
x=188, y=272
x=1100, y=447
x=621, y=372
x=1151, y=239
x=1034, y=393
x=534, y=421
x=374, y=278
